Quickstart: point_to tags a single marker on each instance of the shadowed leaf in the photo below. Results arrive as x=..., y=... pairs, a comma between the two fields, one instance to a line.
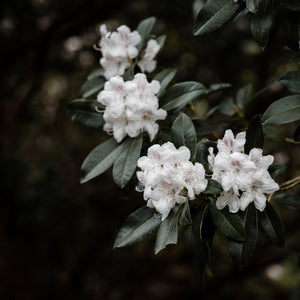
x=137, y=226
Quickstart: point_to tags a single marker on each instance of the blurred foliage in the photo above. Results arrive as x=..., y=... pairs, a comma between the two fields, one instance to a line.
x=56, y=235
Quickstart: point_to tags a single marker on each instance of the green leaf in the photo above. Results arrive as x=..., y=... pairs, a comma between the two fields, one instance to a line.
x=129, y=74
x=241, y=14
x=137, y=226
x=185, y=216
x=84, y=113
x=203, y=231
x=181, y=93
x=242, y=252
x=96, y=73
x=100, y=159
x=271, y=225
x=213, y=187
x=213, y=15
x=254, y=135
x=261, y=23
x=202, y=152
x=184, y=134
x=276, y=170
x=228, y=223
x=227, y=107
x=282, y=111
x=216, y=87
x=243, y=96
x=161, y=41
x=92, y=86
x=293, y=5
x=164, y=77
x=168, y=230
x=291, y=81
x=253, y=5
x=125, y=164
x=144, y=29
x=288, y=199
x=297, y=134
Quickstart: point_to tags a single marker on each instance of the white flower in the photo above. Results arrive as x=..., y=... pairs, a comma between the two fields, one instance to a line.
x=244, y=178
x=147, y=63
x=131, y=106
x=166, y=173
x=117, y=49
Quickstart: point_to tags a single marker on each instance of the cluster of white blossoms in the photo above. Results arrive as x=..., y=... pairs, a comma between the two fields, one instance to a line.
x=118, y=48
x=131, y=106
x=244, y=178
x=169, y=177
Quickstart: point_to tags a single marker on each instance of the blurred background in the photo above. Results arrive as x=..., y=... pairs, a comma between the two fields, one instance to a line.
x=56, y=236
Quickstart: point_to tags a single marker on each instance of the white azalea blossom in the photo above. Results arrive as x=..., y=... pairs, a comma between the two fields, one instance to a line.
x=117, y=49
x=147, y=63
x=131, y=106
x=169, y=177
x=244, y=178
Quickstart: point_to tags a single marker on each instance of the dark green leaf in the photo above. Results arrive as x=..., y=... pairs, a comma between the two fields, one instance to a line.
x=289, y=28
x=144, y=29
x=202, y=235
x=161, y=41
x=129, y=74
x=253, y=5
x=227, y=107
x=297, y=134
x=271, y=225
x=213, y=15
x=272, y=133
x=185, y=216
x=137, y=226
x=242, y=252
x=92, y=86
x=202, y=152
x=292, y=5
x=84, y=113
x=164, y=136
x=217, y=87
x=276, y=170
x=288, y=199
x=168, y=230
x=241, y=14
x=125, y=164
x=254, y=135
x=96, y=73
x=284, y=110
x=181, y=93
x=203, y=127
x=261, y=23
x=228, y=223
x=213, y=187
x=100, y=159
x=164, y=77
x=243, y=96
x=197, y=5
x=291, y=81
x=184, y=134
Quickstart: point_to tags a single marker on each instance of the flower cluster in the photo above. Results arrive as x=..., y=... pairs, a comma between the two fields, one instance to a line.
x=119, y=48
x=244, y=178
x=169, y=177
x=131, y=106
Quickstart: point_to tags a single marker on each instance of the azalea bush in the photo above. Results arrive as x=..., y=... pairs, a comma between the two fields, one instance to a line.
x=198, y=173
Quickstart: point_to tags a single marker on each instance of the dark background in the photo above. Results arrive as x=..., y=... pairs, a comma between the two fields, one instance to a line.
x=56, y=236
